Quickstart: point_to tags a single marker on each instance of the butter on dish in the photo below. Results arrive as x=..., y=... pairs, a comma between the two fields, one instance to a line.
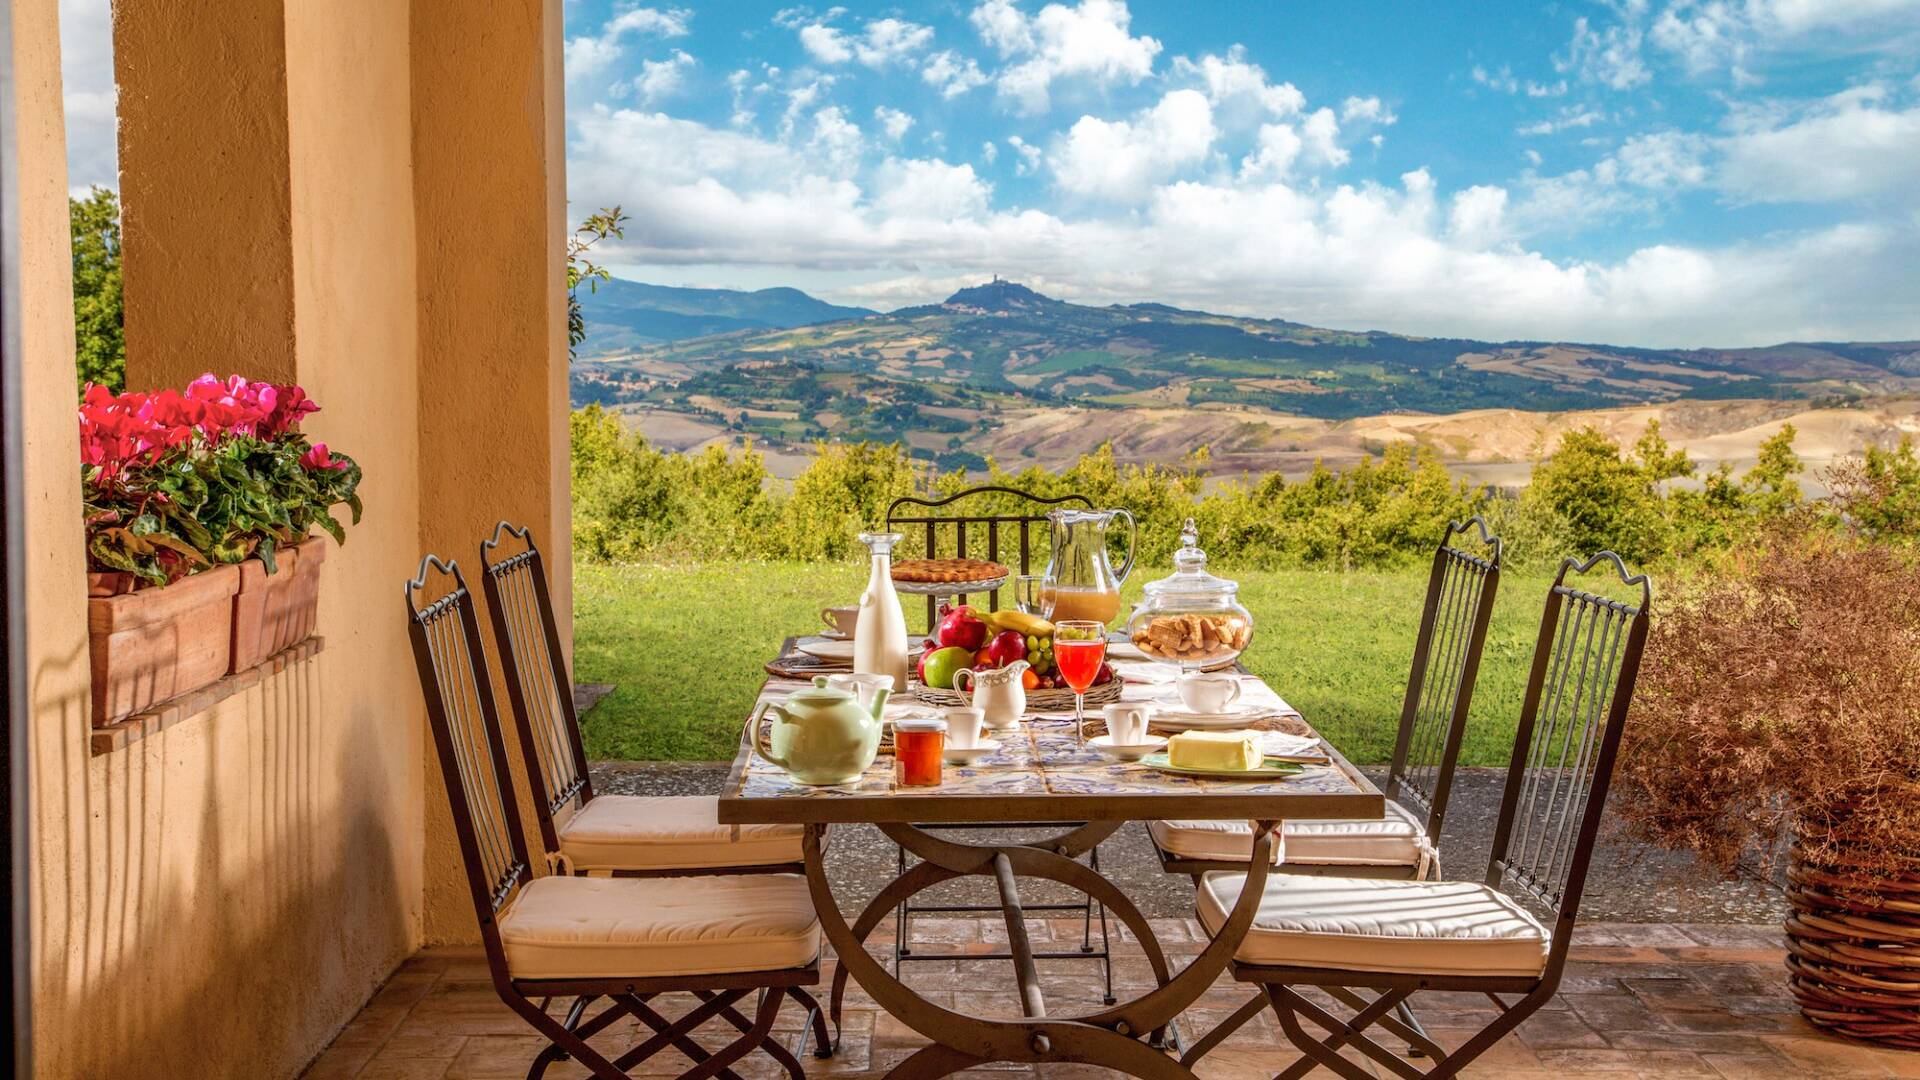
x=1219, y=750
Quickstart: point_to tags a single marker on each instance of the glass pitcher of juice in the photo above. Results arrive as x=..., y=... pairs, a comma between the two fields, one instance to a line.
x=1081, y=580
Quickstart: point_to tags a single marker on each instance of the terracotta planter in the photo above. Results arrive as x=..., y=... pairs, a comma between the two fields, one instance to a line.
x=151, y=645
x=276, y=611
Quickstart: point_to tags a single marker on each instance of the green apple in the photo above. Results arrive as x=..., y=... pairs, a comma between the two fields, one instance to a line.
x=943, y=664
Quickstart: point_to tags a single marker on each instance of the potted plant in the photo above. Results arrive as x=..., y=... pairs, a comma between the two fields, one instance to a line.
x=194, y=499
x=1779, y=708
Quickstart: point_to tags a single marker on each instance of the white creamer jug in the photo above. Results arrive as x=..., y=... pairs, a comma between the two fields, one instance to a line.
x=998, y=695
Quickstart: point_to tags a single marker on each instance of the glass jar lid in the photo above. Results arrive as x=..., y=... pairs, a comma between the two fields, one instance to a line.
x=1189, y=577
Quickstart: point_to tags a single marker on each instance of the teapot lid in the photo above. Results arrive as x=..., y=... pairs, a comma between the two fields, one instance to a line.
x=819, y=695
x=1189, y=577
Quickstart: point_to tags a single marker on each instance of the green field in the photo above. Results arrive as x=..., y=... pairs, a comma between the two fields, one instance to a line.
x=684, y=645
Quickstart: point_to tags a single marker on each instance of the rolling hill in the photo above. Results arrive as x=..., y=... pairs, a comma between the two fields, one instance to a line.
x=951, y=378
x=623, y=315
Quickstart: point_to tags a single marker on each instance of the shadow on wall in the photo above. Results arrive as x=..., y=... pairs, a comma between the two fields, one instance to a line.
x=191, y=888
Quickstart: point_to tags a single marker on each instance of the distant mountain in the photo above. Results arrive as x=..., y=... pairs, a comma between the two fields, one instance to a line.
x=942, y=375
x=624, y=315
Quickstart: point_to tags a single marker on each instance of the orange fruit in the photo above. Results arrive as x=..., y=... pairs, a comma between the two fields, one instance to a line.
x=1028, y=680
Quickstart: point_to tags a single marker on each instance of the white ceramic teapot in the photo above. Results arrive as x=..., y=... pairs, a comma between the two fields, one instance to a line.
x=998, y=695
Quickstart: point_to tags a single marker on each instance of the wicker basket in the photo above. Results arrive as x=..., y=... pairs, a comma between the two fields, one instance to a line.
x=1854, y=952
x=1037, y=700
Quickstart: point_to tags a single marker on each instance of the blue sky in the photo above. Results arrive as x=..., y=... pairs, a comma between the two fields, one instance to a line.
x=1660, y=172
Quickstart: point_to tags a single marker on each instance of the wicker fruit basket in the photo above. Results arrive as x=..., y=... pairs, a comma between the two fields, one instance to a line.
x=1060, y=700
x=1854, y=952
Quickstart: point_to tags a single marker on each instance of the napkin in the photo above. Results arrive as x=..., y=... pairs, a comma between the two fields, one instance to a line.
x=1302, y=748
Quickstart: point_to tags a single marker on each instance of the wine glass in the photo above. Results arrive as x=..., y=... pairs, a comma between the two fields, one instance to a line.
x=1079, y=648
x=1029, y=594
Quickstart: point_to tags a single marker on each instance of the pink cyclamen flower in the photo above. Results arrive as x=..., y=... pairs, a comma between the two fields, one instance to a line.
x=317, y=457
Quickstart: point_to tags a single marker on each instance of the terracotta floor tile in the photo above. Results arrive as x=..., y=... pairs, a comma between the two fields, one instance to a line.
x=1769, y=1066
x=1656, y=1063
x=1826, y=1055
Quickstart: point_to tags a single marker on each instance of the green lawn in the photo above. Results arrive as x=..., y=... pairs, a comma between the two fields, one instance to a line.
x=684, y=645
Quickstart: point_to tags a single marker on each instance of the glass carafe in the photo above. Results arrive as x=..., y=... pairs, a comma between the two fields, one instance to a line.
x=1081, y=581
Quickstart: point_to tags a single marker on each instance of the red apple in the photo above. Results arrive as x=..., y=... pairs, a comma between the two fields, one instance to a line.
x=962, y=629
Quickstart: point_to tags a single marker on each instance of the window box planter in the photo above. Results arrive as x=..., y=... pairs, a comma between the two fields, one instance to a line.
x=152, y=645
x=273, y=612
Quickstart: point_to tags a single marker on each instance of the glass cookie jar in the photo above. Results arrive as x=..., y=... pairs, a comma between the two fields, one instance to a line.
x=1191, y=618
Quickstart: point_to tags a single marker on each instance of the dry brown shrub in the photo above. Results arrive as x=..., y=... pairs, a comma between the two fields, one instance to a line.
x=1779, y=700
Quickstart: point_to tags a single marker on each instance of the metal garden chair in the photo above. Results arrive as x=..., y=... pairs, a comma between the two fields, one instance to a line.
x=1350, y=935
x=622, y=939
x=585, y=833
x=1433, y=719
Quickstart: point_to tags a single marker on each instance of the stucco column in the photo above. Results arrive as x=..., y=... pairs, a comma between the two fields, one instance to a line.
x=490, y=211
x=205, y=194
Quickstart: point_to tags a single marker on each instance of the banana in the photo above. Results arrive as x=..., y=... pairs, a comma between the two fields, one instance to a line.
x=1032, y=625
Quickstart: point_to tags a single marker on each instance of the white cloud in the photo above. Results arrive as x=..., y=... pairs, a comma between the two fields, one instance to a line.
x=1122, y=160
x=837, y=140
x=1664, y=159
x=1569, y=117
x=1851, y=145
x=825, y=44
x=1366, y=110
x=990, y=151
x=1320, y=136
x=1739, y=35
x=1274, y=153
x=1029, y=155
x=1609, y=55
x=893, y=122
x=930, y=189
x=951, y=73
x=1406, y=257
x=882, y=42
x=1505, y=81
x=1235, y=84
x=660, y=78
x=588, y=56
x=1090, y=40
x=1477, y=218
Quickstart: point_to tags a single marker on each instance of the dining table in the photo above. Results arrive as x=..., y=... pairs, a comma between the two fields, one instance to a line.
x=1041, y=773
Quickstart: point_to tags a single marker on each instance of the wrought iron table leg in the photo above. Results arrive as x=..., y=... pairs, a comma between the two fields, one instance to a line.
x=1111, y=1036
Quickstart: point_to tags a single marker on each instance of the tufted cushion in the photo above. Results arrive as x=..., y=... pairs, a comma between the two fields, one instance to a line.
x=679, y=832
x=1371, y=924
x=1398, y=839
x=1219, y=841
x=595, y=928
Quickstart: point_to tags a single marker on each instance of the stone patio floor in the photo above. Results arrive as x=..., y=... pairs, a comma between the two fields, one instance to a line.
x=1638, y=999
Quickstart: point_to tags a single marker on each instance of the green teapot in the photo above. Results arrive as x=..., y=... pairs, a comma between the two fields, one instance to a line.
x=822, y=735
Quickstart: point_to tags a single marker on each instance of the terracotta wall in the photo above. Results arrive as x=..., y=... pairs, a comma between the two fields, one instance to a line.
x=218, y=900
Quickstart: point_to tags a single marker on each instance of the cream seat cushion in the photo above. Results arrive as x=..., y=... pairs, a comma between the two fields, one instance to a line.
x=669, y=832
x=1219, y=841
x=563, y=927
x=1374, y=924
x=1397, y=839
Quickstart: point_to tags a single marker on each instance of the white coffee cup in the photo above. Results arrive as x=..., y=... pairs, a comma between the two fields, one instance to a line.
x=963, y=726
x=841, y=619
x=1127, y=722
x=862, y=686
x=1205, y=693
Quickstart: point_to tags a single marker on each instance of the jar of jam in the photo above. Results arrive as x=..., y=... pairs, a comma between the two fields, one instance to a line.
x=919, y=746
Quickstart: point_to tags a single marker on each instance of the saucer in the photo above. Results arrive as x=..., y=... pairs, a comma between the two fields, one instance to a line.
x=1119, y=752
x=1237, y=716
x=957, y=756
x=836, y=635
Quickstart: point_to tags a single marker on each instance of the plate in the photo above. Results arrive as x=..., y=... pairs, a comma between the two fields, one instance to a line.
x=1240, y=716
x=1127, y=650
x=949, y=588
x=1120, y=752
x=839, y=652
x=956, y=756
x=1270, y=768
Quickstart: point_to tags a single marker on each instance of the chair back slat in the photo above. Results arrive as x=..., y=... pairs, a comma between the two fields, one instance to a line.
x=1586, y=661
x=911, y=510
x=538, y=685
x=1446, y=665
x=466, y=732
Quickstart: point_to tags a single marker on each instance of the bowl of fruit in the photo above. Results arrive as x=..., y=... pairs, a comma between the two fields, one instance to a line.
x=969, y=639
